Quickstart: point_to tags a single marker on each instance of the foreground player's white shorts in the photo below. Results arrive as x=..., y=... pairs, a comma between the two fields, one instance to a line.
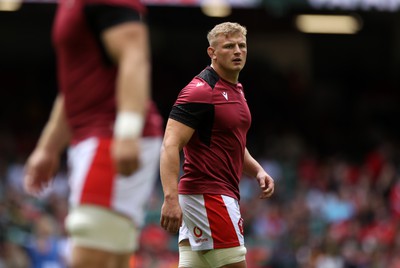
x=211, y=222
x=93, y=179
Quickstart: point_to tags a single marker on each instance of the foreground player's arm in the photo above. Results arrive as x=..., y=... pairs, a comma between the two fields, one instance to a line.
x=176, y=137
x=127, y=45
x=253, y=169
x=43, y=163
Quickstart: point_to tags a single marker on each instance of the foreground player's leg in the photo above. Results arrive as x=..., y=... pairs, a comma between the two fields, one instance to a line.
x=234, y=257
x=92, y=258
x=100, y=238
x=223, y=258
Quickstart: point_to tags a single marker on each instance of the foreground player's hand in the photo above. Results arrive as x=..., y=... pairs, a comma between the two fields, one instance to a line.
x=39, y=170
x=171, y=216
x=266, y=184
x=125, y=153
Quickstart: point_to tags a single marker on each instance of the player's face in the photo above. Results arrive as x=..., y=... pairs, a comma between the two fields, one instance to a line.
x=231, y=52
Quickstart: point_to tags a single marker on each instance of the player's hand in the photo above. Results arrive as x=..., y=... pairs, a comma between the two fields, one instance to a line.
x=171, y=216
x=266, y=184
x=39, y=170
x=125, y=153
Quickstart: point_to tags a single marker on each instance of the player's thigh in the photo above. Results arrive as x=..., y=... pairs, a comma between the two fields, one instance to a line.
x=234, y=257
x=190, y=259
x=94, y=227
x=83, y=257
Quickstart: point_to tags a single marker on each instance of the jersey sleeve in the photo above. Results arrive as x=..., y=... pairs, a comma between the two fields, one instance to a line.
x=194, y=104
x=102, y=16
x=134, y=4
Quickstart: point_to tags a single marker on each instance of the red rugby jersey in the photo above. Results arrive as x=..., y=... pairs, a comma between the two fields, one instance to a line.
x=218, y=112
x=86, y=80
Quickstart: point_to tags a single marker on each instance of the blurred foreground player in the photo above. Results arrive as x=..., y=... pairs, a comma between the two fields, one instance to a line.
x=209, y=121
x=103, y=61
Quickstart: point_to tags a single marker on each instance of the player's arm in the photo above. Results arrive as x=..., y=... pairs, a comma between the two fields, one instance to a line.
x=124, y=40
x=43, y=163
x=128, y=46
x=253, y=169
x=176, y=137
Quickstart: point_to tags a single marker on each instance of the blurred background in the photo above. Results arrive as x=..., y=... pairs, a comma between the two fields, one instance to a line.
x=322, y=82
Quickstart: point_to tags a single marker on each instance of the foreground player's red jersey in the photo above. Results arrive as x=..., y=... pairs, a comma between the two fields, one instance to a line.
x=218, y=112
x=85, y=79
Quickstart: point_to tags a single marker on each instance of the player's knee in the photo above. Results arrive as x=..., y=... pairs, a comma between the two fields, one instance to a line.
x=98, y=228
x=190, y=259
x=225, y=256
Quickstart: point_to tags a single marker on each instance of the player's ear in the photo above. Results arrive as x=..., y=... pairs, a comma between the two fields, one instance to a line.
x=211, y=53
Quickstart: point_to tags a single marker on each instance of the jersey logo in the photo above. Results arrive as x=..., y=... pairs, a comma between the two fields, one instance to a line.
x=197, y=232
x=199, y=84
x=225, y=94
x=240, y=225
x=241, y=92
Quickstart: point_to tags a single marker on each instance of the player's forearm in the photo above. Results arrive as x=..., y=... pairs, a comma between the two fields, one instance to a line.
x=250, y=166
x=169, y=171
x=56, y=134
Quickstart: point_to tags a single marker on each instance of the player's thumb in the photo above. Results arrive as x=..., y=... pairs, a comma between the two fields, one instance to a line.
x=261, y=182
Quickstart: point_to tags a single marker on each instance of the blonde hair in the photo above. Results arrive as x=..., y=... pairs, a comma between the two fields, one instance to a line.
x=225, y=28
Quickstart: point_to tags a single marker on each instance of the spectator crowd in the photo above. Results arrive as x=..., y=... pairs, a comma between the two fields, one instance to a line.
x=327, y=212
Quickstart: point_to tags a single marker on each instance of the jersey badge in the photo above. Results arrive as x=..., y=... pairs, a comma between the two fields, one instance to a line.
x=225, y=94
x=241, y=92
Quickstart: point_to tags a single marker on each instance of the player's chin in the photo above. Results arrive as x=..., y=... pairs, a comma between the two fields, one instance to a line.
x=237, y=67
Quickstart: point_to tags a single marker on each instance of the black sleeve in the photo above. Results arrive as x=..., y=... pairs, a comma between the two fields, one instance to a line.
x=199, y=116
x=100, y=17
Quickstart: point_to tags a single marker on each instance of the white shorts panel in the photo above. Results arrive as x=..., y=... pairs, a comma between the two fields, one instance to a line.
x=211, y=221
x=129, y=194
x=132, y=194
x=195, y=226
